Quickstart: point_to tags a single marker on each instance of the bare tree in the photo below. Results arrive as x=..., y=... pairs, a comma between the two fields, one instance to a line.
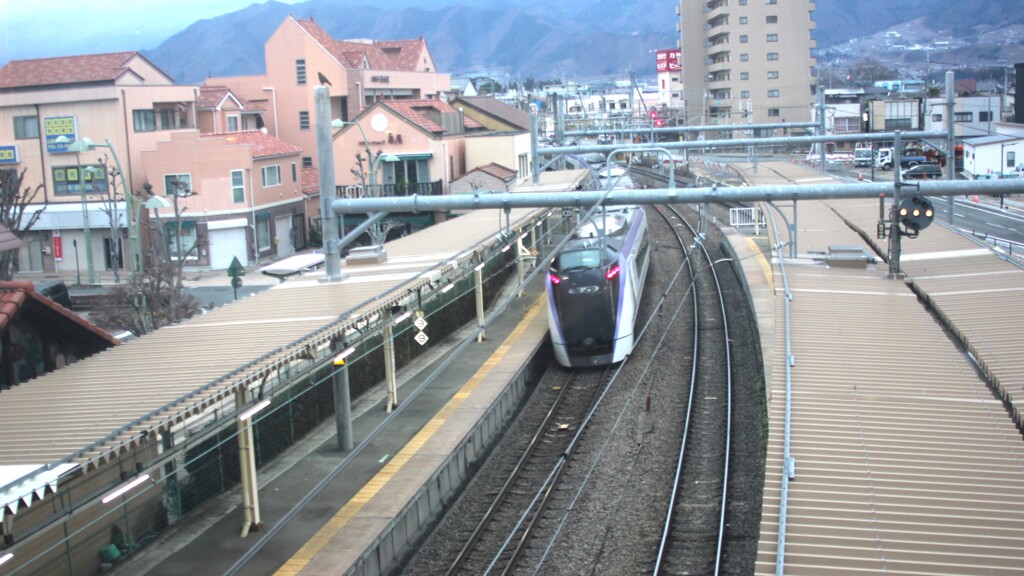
x=377, y=232
x=156, y=296
x=110, y=197
x=14, y=200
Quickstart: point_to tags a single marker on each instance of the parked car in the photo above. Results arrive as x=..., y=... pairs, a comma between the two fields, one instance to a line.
x=923, y=172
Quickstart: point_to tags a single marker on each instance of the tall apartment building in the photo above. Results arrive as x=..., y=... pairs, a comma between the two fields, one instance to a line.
x=747, y=55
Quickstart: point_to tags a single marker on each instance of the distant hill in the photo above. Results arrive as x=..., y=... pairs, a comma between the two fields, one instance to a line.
x=570, y=39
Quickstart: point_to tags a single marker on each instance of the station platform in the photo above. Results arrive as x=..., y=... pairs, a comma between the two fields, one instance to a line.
x=403, y=474
x=904, y=398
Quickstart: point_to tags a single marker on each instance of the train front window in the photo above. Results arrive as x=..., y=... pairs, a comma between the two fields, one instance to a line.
x=578, y=259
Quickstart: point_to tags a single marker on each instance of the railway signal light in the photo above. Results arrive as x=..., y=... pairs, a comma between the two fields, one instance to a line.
x=915, y=214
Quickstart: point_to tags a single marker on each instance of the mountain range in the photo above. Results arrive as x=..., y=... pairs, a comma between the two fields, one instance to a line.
x=582, y=39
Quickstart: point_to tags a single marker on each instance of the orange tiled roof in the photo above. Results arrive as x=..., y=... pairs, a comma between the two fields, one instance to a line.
x=498, y=171
x=14, y=295
x=498, y=109
x=393, y=55
x=211, y=97
x=263, y=145
x=426, y=113
x=405, y=52
x=65, y=70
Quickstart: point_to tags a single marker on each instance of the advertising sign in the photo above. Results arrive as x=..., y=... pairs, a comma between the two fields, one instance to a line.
x=669, y=61
x=9, y=154
x=58, y=246
x=57, y=126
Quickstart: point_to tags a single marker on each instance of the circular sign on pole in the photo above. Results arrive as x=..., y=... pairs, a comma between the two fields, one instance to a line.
x=421, y=338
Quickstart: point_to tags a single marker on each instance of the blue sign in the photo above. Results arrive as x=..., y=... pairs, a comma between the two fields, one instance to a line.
x=57, y=126
x=9, y=154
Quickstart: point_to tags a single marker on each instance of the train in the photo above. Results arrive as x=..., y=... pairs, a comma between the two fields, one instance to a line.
x=594, y=287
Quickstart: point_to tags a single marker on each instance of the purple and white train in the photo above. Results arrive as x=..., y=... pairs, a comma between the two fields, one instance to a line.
x=594, y=287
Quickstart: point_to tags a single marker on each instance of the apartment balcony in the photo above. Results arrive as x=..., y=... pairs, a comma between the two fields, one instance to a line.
x=435, y=188
x=720, y=67
x=719, y=11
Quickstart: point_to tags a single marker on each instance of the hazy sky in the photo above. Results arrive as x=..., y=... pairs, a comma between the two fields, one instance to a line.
x=45, y=28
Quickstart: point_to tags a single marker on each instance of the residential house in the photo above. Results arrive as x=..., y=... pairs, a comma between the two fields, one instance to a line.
x=358, y=73
x=996, y=156
x=490, y=177
x=237, y=195
x=972, y=115
x=38, y=335
x=507, y=140
x=120, y=102
x=402, y=147
x=220, y=110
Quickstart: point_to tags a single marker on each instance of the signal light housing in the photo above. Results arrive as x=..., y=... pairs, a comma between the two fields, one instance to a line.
x=915, y=214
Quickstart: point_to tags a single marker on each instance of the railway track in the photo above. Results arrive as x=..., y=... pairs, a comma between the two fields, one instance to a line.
x=622, y=503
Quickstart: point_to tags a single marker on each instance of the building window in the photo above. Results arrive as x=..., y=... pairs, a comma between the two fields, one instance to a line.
x=181, y=239
x=177, y=184
x=744, y=57
x=984, y=116
x=237, y=186
x=848, y=124
x=26, y=127
x=773, y=113
x=744, y=75
x=307, y=161
x=300, y=72
x=1011, y=159
x=743, y=19
x=145, y=120
x=166, y=119
x=771, y=19
x=773, y=93
x=773, y=38
x=295, y=172
x=263, y=231
x=963, y=117
x=772, y=56
x=898, y=124
x=271, y=176
x=936, y=117
x=745, y=94
x=743, y=2
x=771, y=1
x=303, y=120
x=743, y=38
x=232, y=123
x=773, y=74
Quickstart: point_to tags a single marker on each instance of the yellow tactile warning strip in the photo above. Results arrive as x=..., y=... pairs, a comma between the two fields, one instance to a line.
x=766, y=267
x=307, y=553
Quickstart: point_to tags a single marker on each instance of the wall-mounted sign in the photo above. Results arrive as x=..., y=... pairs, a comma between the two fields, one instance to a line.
x=58, y=246
x=57, y=126
x=668, y=60
x=9, y=154
x=381, y=79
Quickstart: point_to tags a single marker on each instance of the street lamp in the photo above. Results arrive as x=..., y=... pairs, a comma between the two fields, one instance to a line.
x=84, y=145
x=86, y=231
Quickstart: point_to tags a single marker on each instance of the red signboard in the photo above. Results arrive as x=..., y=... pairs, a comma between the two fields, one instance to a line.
x=58, y=246
x=669, y=60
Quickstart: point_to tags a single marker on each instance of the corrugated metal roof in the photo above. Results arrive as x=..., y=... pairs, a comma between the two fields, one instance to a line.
x=92, y=410
x=905, y=461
